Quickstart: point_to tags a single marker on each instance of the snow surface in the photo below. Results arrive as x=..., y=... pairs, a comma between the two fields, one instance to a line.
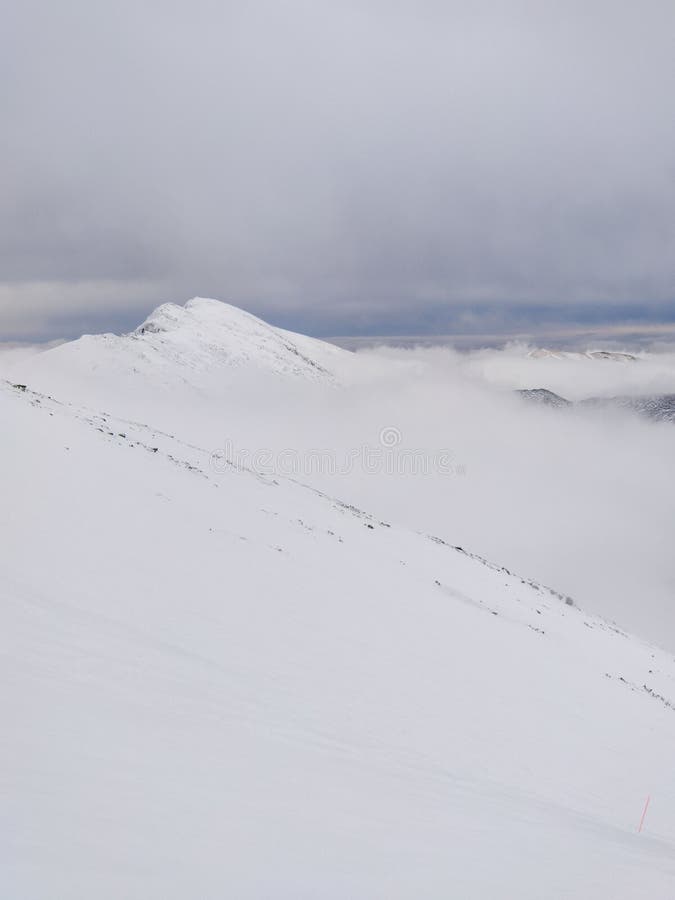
x=221, y=684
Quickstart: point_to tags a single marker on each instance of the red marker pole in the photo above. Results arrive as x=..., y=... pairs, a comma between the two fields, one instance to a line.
x=644, y=813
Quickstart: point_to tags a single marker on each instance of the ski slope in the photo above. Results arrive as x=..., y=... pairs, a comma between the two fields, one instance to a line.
x=222, y=684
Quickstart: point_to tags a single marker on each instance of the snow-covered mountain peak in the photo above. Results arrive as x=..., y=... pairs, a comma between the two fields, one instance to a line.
x=207, y=334
x=200, y=313
x=204, y=344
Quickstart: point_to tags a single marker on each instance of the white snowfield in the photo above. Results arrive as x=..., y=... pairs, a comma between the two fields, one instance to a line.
x=222, y=685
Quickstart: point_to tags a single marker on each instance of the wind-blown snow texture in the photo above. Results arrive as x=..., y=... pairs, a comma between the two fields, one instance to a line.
x=218, y=684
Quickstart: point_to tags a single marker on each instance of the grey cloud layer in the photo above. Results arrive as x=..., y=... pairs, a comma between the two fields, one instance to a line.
x=359, y=161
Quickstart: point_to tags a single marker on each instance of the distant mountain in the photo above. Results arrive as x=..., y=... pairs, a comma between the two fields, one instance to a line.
x=208, y=334
x=204, y=342
x=658, y=407
x=183, y=361
x=544, y=396
x=613, y=355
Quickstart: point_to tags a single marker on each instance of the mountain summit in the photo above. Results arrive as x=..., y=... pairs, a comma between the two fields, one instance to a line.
x=201, y=344
x=206, y=334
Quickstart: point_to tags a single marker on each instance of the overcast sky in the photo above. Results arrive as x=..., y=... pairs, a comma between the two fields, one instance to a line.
x=381, y=166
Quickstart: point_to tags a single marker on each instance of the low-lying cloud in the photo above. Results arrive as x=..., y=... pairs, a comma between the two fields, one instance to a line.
x=578, y=498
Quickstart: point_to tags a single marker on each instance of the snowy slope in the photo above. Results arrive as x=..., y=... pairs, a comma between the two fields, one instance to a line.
x=217, y=684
